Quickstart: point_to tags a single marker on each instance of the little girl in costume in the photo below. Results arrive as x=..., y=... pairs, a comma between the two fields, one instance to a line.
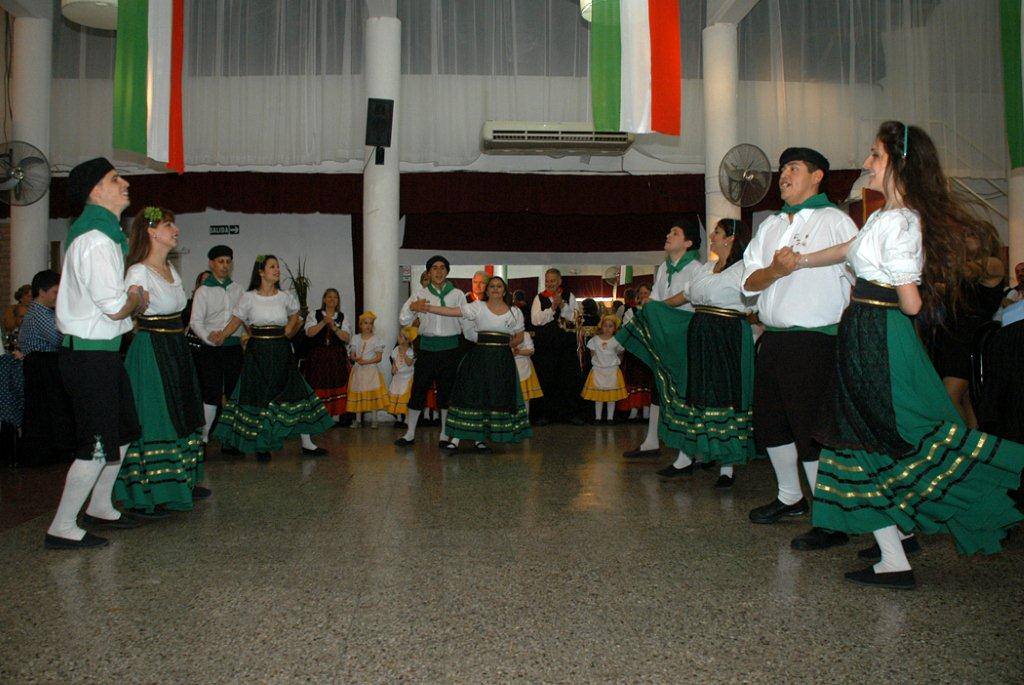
x=402, y=358
x=528, y=383
x=366, y=389
x=605, y=384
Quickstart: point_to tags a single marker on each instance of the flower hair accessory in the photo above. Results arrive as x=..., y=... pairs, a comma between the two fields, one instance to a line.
x=260, y=258
x=153, y=216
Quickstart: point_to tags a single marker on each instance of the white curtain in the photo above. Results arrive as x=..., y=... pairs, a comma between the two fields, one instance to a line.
x=279, y=82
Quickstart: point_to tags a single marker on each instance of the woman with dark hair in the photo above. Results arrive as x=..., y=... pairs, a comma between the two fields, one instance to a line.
x=487, y=402
x=326, y=368
x=163, y=468
x=271, y=402
x=901, y=456
x=713, y=418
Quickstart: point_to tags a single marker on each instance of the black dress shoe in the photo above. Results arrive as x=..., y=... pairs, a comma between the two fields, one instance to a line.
x=229, y=451
x=402, y=442
x=873, y=553
x=639, y=453
x=897, y=580
x=90, y=540
x=482, y=448
x=447, y=446
x=818, y=538
x=199, y=492
x=263, y=457
x=123, y=522
x=724, y=482
x=315, y=452
x=776, y=510
x=671, y=471
x=155, y=515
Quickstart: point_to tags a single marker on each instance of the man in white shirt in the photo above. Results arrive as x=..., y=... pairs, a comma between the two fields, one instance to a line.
x=94, y=310
x=800, y=311
x=217, y=365
x=682, y=250
x=439, y=353
x=555, y=360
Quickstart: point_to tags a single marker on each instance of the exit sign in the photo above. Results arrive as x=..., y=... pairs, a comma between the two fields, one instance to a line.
x=224, y=229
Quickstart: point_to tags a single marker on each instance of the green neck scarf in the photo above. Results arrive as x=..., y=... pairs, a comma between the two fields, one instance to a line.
x=212, y=281
x=445, y=289
x=96, y=218
x=814, y=202
x=673, y=269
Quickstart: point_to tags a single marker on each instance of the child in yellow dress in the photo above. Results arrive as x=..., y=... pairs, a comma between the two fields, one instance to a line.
x=402, y=358
x=605, y=385
x=528, y=383
x=366, y=389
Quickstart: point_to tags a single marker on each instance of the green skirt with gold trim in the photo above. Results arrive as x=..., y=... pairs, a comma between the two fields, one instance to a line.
x=657, y=335
x=167, y=461
x=272, y=402
x=946, y=478
x=720, y=389
x=486, y=401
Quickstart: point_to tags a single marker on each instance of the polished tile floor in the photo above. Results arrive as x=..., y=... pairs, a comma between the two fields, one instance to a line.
x=551, y=561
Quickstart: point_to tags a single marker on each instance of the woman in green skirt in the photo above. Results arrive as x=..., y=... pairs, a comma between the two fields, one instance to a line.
x=901, y=457
x=714, y=418
x=486, y=401
x=272, y=401
x=162, y=470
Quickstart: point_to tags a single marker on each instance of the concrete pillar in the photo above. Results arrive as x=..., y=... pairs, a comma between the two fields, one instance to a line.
x=721, y=127
x=381, y=232
x=1016, y=222
x=30, y=102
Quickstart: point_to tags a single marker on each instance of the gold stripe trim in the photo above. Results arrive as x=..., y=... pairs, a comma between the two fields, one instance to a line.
x=883, y=285
x=719, y=311
x=875, y=303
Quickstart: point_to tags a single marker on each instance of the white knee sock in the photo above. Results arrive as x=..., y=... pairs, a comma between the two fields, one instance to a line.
x=100, y=504
x=307, y=441
x=444, y=421
x=893, y=557
x=598, y=406
x=81, y=477
x=725, y=471
x=209, y=413
x=647, y=411
x=610, y=410
x=811, y=471
x=632, y=413
x=651, y=441
x=784, y=460
x=411, y=420
x=682, y=460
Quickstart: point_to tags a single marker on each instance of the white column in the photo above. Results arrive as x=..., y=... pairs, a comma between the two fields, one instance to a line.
x=30, y=103
x=501, y=271
x=1016, y=218
x=721, y=128
x=381, y=234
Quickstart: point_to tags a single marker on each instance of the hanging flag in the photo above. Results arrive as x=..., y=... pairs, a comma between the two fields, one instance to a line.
x=147, y=80
x=635, y=66
x=625, y=274
x=1013, y=90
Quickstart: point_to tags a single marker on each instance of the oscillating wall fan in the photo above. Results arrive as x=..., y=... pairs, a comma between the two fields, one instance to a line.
x=611, y=275
x=24, y=173
x=744, y=175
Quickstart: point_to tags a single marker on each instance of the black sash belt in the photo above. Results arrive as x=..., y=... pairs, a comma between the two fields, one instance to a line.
x=267, y=332
x=875, y=294
x=162, y=323
x=492, y=339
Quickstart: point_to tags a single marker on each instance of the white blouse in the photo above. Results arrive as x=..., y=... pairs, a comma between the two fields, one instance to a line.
x=888, y=249
x=92, y=289
x=311, y=322
x=256, y=310
x=365, y=349
x=724, y=289
x=433, y=325
x=485, y=321
x=164, y=297
x=398, y=358
x=662, y=289
x=807, y=297
x=606, y=352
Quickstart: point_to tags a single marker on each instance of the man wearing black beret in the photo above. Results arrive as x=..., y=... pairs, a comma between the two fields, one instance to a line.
x=800, y=310
x=94, y=309
x=218, y=365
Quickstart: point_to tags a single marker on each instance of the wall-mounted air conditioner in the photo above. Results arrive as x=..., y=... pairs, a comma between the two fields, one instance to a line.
x=554, y=139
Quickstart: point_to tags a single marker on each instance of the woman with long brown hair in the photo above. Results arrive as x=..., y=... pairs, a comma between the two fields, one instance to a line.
x=326, y=368
x=162, y=469
x=901, y=457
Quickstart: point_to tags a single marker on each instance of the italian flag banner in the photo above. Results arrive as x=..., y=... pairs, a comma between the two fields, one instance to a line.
x=635, y=67
x=1013, y=90
x=147, y=80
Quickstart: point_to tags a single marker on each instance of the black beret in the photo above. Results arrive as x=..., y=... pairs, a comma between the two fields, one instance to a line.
x=438, y=258
x=803, y=154
x=219, y=251
x=84, y=177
